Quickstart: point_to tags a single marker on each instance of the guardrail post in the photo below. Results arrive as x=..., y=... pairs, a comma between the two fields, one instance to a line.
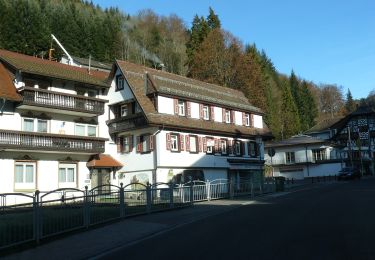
x=86, y=208
x=171, y=195
x=36, y=217
x=122, y=201
x=191, y=194
x=148, y=198
x=208, y=189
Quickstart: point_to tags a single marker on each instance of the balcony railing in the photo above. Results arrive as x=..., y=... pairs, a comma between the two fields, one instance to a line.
x=21, y=140
x=126, y=123
x=300, y=161
x=52, y=99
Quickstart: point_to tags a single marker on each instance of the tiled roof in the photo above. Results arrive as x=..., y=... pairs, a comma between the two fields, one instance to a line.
x=37, y=66
x=103, y=160
x=324, y=124
x=297, y=140
x=93, y=63
x=7, y=88
x=176, y=85
x=136, y=79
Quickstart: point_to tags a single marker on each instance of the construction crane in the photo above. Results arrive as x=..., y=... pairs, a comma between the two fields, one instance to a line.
x=70, y=59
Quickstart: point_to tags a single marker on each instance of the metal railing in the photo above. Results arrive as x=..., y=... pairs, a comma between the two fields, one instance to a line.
x=50, y=142
x=126, y=123
x=43, y=215
x=59, y=100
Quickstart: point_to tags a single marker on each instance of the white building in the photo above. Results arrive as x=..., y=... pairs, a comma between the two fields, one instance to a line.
x=172, y=128
x=52, y=120
x=304, y=156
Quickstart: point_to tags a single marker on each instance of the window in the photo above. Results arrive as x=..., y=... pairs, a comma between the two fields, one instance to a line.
x=290, y=157
x=126, y=144
x=124, y=110
x=174, y=142
x=24, y=177
x=319, y=154
x=145, y=139
x=206, y=113
x=85, y=130
x=120, y=82
x=253, y=149
x=193, y=144
x=247, y=119
x=227, y=116
x=34, y=124
x=67, y=175
x=237, y=147
x=223, y=146
x=210, y=145
x=181, y=108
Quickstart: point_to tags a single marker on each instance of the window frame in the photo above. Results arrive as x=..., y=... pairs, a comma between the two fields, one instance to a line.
x=123, y=108
x=247, y=119
x=196, y=144
x=212, y=147
x=120, y=78
x=181, y=107
x=177, y=136
x=86, y=129
x=206, y=112
x=35, y=122
x=226, y=146
x=290, y=157
x=255, y=150
x=67, y=184
x=25, y=186
x=237, y=144
x=228, y=115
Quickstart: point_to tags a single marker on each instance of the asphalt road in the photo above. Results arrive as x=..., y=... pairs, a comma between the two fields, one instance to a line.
x=334, y=221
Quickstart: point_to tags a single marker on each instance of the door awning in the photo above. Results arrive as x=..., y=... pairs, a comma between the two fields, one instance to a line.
x=103, y=160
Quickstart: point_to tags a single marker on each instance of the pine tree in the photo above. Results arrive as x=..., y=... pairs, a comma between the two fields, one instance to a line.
x=349, y=103
x=213, y=21
x=290, y=119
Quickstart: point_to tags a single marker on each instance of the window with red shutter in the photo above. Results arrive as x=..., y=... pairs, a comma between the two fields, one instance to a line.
x=244, y=118
x=230, y=147
x=182, y=142
x=200, y=144
x=212, y=113
x=188, y=109
x=130, y=143
x=201, y=111
x=119, y=144
x=204, y=141
x=216, y=146
x=233, y=120
x=175, y=104
x=139, y=144
x=252, y=120
x=168, y=141
x=151, y=142
x=223, y=115
x=187, y=141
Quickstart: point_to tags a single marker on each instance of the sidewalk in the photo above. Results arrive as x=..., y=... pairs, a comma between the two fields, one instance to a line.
x=99, y=240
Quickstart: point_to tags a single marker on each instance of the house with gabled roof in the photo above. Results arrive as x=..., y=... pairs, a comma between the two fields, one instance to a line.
x=52, y=122
x=173, y=128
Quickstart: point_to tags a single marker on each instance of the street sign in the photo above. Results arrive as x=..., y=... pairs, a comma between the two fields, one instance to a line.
x=271, y=152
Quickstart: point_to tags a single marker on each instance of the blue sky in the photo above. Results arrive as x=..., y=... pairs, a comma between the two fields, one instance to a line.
x=327, y=41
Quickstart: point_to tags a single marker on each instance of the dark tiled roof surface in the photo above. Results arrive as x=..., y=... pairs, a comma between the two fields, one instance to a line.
x=93, y=63
x=297, y=140
x=324, y=124
x=7, y=88
x=172, y=84
x=37, y=66
x=136, y=79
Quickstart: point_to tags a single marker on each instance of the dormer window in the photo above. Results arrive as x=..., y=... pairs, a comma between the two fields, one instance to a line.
x=120, y=82
x=206, y=112
x=181, y=108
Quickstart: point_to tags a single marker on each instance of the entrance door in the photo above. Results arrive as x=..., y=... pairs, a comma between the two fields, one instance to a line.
x=101, y=177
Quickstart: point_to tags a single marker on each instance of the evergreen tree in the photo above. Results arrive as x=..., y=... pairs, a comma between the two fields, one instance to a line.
x=350, y=105
x=213, y=21
x=290, y=120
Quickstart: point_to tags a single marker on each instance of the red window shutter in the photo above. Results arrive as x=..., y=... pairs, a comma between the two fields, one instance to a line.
x=168, y=141
x=188, y=109
x=187, y=141
x=139, y=144
x=175, y=103
x=182, y=142
x=216, y=145
x=200, y=111
x=230, y=147
x=200, y=144
x=233, y=114
x=252, y=120
x=204, y=144
x=224, y=118
x=119, y=144
x=212, y=114
x=243, y=118
x=151, y=144
x=130, y=143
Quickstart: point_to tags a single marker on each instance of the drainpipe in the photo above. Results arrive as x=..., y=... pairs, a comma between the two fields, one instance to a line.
x=307, y=163
x=4, y=100
x=155, y=154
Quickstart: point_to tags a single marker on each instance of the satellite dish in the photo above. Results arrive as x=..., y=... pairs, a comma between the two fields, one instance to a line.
x=271, y=152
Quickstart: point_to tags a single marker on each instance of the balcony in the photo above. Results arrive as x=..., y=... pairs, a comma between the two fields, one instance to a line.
x=127, y=123
x=46, y=100
x=25, y=141
x=300, y=161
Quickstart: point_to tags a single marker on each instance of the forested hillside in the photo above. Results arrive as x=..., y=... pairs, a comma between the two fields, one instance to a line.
x=203, y=51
